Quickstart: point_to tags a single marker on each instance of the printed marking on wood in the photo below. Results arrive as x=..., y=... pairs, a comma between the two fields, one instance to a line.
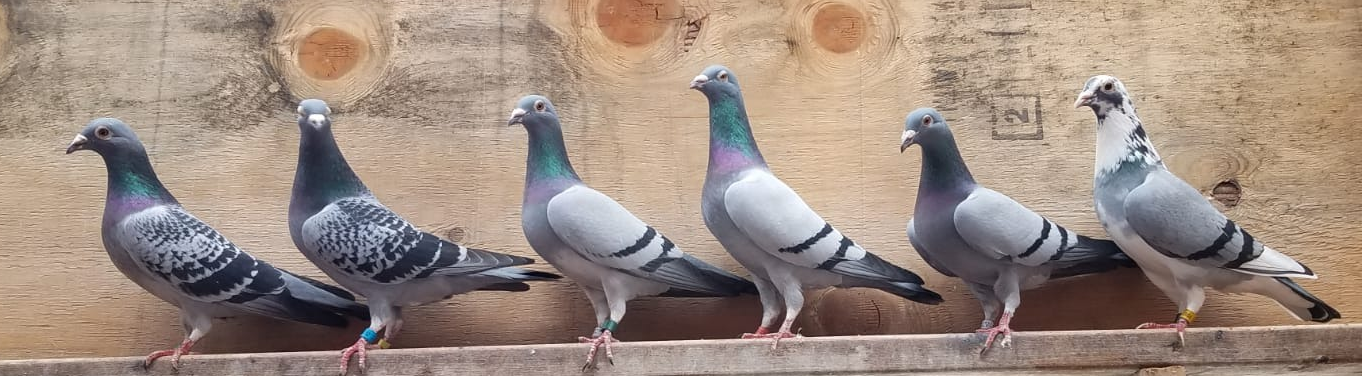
x=1017, y=117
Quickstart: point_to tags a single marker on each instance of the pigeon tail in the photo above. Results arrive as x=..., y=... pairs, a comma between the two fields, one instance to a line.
x=1301, y=303
x=1091, y=256
x=710, y=281
x=874, y=268
x=331, y=299
x=291, y=305
x=911, y=291
x=517, y=275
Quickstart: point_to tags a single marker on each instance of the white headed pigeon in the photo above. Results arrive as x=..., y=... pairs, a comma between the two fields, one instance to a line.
x=1180, y=240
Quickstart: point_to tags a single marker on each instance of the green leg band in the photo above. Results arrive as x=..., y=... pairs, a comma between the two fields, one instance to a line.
x=609, y=325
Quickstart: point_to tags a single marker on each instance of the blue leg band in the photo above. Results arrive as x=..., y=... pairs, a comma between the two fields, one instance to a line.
x=369, y=335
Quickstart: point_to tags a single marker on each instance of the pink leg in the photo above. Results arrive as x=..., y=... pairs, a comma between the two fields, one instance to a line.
x=602, y=340
x=760, y=333
x=176, y=352
x=360, y=349
x=1185, y=318
x=1180, y=325
x=1001, y=329
x=775, y=337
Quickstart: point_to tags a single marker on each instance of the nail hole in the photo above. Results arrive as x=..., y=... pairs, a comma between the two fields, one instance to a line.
x=1228, y=192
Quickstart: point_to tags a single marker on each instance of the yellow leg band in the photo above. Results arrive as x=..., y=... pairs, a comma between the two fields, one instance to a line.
x=1187, y=315
x=383, y=344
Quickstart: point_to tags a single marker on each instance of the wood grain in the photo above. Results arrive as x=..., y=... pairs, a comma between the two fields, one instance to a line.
x=1261, y=92
x=1299, y=350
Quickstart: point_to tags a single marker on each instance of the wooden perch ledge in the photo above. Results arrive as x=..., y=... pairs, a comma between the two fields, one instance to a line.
x=1305, y=349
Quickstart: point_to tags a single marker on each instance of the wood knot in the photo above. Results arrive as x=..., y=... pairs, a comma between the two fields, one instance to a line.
x=1228, y=192
x=329, y=53
x=838, y=27
x=634, y=23
x=336, y=51
x=455, y=234
x=834, y=40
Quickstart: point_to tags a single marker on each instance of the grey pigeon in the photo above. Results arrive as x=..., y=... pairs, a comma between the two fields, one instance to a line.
x=996, y=245
x=1180, y=240
x=769, y=229
x=595, y=241
x=338, y=224
x=156, y=243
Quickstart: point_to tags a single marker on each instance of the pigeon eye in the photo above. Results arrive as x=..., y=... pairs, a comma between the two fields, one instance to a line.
x=103, y=133
x=926, y=121
x=722, y=76
x=1108, y=86
x=539, y=106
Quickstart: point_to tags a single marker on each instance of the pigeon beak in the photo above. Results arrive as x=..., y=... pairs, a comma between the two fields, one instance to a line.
x=698, y=82
x=908, y=138
x=317, y=120
x=1084, y=99
x=77, y=144
x=516, y=116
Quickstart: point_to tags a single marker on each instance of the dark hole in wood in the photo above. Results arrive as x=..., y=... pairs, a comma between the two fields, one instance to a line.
x=1228, y=192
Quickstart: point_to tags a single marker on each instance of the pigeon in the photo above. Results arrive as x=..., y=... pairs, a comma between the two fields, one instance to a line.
x=175, y=256
x=1180, y=240
x=338, y=225
x=586, y=235
x=769, y=229
x=996, y=245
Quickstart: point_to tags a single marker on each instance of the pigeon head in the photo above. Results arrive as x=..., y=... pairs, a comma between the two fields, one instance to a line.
x=923, y=125
x=105, y=135
x=314, y=113
x=716, y=80
x=1103, y=93
x=533, y=111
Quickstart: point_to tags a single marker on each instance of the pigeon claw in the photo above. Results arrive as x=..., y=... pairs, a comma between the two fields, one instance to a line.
x=1180, y=326
x=993, y=333
x=774, y=337
x=174, y=353
x=358, y=350
x=151, y=358
x=597, y=343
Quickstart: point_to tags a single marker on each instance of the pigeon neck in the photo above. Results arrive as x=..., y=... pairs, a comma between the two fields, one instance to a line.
x=731, y=145
x=942, y=165
x=1122, y=143
x=132, y=180
x=548, y=159
x=323, y=175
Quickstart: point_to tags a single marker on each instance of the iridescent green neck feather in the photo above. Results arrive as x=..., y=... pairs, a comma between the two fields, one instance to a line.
x=731, y=144
x=548, y=159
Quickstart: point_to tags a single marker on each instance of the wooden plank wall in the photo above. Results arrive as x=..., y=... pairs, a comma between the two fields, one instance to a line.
x=1262, y=93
